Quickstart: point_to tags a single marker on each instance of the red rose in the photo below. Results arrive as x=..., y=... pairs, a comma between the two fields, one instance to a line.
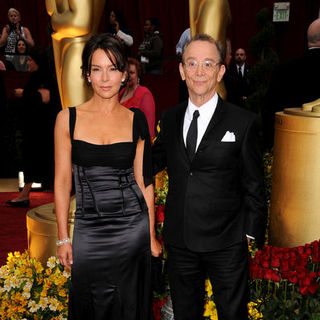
x=293, y=278
x=275, y=277
x=313, y=287
x=268, y=274
x=160, y=213
x=265, y=262
x=303, y=290
x=300, y=249
x=284, y=265
x=275, y=262
x=315, y=255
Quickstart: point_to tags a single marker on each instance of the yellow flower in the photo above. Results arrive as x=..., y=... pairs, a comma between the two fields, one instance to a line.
x=209, y=308
x=29, y=273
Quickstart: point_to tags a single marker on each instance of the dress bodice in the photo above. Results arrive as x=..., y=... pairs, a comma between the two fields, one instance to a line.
x=103, y=174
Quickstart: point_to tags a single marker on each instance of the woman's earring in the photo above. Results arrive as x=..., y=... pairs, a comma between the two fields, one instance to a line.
x=89, y=80
x=138, y=80
x=122, y=81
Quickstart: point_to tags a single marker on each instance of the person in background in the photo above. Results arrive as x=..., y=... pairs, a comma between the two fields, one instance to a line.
x=185, y=36
x=285, y=91
x=12, y=32
x=237, y=83
x=20, y=61
x=39, y=104
x=118, y=27
x=138, y=96
x=150, y=50
x=2, y=66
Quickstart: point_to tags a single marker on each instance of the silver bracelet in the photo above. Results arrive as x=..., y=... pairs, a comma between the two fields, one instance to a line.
x=63, y=241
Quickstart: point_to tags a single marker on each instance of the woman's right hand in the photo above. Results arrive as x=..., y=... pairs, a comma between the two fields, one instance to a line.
x=64, y=254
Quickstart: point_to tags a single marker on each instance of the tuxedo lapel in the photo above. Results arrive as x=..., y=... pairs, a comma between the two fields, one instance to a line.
x=180, y=121
x=216, y=118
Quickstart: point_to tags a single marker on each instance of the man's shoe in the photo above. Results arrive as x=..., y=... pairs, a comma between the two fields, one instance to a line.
x=18, y=204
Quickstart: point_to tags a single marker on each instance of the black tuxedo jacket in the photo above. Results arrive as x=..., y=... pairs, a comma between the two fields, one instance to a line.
x=218, y=198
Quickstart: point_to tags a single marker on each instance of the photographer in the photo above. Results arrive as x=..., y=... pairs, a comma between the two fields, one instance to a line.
x=12, y=32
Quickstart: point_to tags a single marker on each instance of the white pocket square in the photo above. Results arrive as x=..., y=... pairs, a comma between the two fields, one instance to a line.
x=229, y=137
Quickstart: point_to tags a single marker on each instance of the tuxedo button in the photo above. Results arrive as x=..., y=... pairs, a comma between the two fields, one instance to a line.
x=191, y=173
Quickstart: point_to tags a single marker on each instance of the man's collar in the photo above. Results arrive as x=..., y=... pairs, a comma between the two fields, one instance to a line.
x=203, y=109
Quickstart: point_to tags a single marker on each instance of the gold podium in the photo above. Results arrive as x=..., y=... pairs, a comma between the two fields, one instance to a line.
x=43, y=232
x=295, y=197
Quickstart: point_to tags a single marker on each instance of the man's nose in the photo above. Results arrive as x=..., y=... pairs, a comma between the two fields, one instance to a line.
x=200, y=69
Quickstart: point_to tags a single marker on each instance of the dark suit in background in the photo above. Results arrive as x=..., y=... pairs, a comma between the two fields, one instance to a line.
x=293, y=83
x=238, y=87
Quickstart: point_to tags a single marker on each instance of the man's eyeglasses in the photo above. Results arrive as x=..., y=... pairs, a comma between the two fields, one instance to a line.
x=207, y=65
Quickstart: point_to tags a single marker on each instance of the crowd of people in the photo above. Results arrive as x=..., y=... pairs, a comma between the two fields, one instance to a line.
x=210, y=147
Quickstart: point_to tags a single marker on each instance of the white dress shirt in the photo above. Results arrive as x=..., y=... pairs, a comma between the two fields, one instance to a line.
x=206, y=112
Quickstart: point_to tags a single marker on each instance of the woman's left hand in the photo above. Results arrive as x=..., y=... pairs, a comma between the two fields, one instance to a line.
x=156, y=249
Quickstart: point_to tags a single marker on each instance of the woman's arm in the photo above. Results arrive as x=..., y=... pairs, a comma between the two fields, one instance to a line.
x=148, y=194
x=28, y=37
x=126, y=38
x=63, y=184
x=4, y=36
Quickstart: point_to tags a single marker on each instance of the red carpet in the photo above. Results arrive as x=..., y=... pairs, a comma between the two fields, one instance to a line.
x=13, y=230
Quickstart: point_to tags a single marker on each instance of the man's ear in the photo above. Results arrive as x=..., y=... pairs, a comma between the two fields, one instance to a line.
x=221, y=72
x=181, y=70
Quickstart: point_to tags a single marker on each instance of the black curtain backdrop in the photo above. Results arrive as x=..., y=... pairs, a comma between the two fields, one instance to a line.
x=290, y=39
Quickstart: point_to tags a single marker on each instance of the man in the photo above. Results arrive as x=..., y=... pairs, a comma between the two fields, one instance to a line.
x=236, y=79
x=294, y=83
x=215, y=192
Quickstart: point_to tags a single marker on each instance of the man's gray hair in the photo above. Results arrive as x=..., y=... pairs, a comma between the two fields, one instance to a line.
x=206, y=38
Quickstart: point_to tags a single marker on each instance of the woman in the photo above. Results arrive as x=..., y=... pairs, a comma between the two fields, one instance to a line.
x=38, y=108
x=20, y=61
x=13, y=31
x=135, y=95
x=108, y=149
x=118, y=27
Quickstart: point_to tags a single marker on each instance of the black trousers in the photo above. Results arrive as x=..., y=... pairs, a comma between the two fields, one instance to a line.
x=227, y=270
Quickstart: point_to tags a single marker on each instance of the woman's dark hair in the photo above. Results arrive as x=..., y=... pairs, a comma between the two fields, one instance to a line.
x=119, y=18
x=155, y=23
x=113, y=48
x=25, y=42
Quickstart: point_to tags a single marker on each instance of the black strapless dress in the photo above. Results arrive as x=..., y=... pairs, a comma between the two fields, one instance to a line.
x=111, y=268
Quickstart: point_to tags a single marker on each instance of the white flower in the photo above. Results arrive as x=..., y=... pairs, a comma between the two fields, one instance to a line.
x=51, y=263
x=26, y=294
x=43, y=303
x=34, y=307
x=66, y=274
x=54, y=303
x=28, y=285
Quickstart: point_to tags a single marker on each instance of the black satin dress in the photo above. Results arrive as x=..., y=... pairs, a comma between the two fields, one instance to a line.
x=110, y=277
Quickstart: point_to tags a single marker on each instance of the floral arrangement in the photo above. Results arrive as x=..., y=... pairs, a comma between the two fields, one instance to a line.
x=30, y=291
x=285, y=281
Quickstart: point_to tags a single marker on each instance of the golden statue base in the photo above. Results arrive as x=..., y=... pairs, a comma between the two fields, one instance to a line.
x=295, y=199
x=42, y=231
